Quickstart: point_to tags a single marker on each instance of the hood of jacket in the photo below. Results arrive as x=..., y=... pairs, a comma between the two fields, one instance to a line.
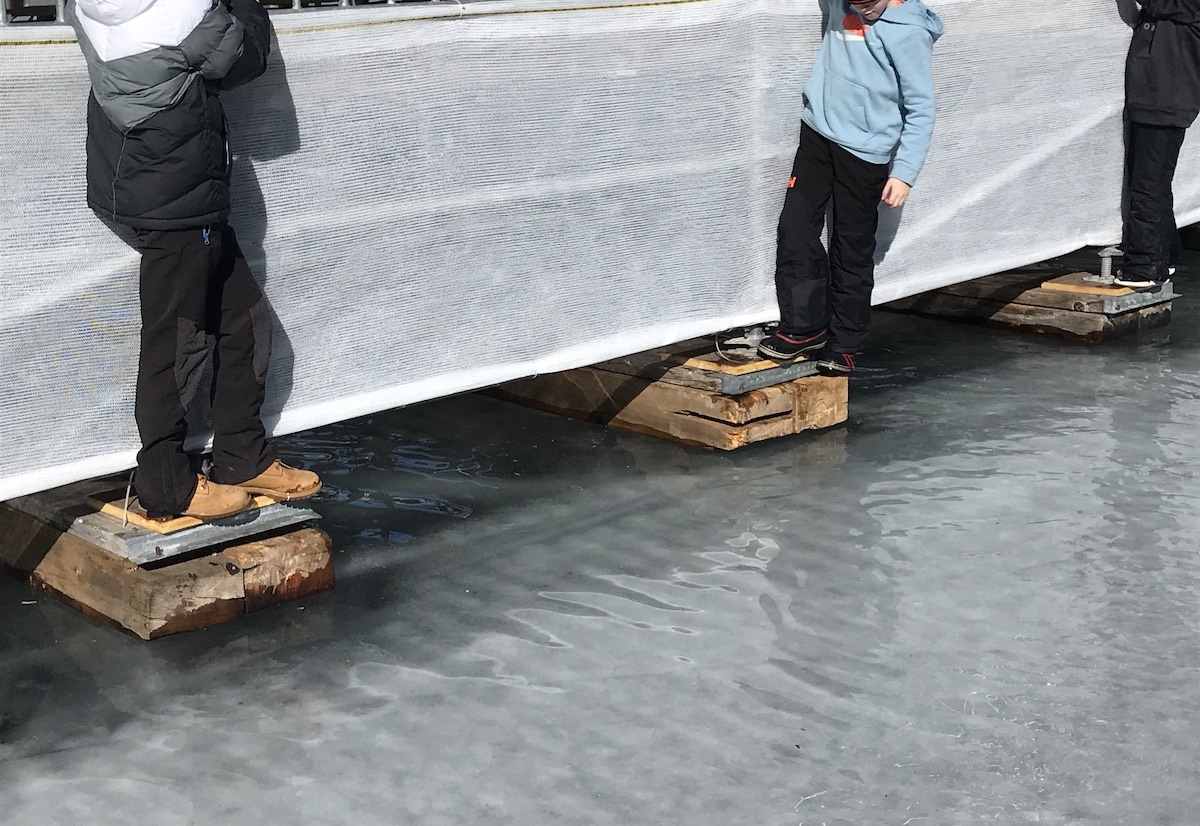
x=914, y=13
x=113, y=12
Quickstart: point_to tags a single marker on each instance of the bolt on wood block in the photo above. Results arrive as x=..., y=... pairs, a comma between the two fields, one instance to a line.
x=183, y=596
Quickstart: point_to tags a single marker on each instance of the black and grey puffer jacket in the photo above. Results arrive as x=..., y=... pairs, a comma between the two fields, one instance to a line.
x=157, y=154
x=1162, y=72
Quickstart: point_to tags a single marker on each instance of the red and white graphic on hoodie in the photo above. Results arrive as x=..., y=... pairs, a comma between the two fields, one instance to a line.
x=854, y=27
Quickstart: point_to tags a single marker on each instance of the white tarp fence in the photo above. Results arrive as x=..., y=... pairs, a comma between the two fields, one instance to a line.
x=442, y=198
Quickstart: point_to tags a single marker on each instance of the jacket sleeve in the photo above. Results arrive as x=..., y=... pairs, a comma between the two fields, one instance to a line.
x=231, y=44
x=1186, y=12
x=256, y=43
x=913, y=59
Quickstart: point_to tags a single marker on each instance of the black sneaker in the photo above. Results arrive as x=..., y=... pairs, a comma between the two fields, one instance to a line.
x=833, y=363
x=781, y=347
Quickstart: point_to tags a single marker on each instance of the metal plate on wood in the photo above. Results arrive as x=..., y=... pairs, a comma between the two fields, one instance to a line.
x=737, y=385
x=675, y=365
x=141, y=546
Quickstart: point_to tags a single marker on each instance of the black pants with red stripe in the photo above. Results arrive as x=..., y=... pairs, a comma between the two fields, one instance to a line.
x=1151, y=241
x=819, y=291
x=198, y=296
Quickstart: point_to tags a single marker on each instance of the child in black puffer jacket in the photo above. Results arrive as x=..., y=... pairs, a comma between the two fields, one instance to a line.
x=1162, y=99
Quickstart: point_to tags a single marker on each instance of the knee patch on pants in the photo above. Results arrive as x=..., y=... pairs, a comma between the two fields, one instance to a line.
x=191, y=352
x=260, y=326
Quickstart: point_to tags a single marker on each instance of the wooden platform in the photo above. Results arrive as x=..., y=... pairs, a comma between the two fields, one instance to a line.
x=689, y=394
x=1048, y=303
x=215, y=573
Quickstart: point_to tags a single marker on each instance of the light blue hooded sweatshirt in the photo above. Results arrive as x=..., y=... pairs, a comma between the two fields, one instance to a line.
x=871, y=89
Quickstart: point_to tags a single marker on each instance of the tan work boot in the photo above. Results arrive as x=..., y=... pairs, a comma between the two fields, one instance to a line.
x=283, y=483
x=212, y=501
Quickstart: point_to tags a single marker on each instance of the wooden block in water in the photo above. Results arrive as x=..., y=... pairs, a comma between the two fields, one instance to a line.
x=1022, y=300
x=685, y=414
x=182, y=596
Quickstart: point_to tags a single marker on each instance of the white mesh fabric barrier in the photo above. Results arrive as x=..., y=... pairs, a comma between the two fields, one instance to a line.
x=440, y=199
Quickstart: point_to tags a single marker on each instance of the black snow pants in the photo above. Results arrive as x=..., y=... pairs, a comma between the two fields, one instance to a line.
x=819, y=291
x=195, y=283
x=1151, y=240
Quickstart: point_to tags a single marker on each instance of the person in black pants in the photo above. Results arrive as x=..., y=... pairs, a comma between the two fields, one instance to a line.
x=867, y=124
x=158, y=162
x=1162, y=99
x=828, y=293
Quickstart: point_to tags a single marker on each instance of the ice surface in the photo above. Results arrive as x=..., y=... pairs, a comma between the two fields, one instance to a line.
x=975, y=603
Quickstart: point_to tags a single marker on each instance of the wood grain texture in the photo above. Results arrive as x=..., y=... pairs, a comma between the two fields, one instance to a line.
x=1075, y=283
x=1082, y=326
x=138, y=516
x=685, y=414
x=282, y=568
x=694, y=363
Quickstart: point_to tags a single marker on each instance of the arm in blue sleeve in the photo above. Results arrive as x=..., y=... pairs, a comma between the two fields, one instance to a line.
x=913, y=59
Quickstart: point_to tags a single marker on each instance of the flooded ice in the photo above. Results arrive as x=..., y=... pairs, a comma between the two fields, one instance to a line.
x=977, y=602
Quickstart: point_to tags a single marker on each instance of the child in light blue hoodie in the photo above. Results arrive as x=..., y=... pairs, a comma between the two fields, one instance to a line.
x=868, y=120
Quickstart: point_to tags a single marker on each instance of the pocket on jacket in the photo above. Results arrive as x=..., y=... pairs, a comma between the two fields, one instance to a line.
x=1143, y=41
x=846, y=108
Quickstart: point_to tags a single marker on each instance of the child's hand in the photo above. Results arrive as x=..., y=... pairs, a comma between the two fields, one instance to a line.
x=895, y=192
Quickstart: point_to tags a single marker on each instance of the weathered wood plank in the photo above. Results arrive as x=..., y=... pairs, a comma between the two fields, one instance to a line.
x=1037, y=319
x=601, y=396
x=999, y=286
x=684, y=414
x=694, y=364
x=1089, y=327
x=1021, y=288
x=1077, y=283
x=282, y=568
x=114, y=506
x=715, y=363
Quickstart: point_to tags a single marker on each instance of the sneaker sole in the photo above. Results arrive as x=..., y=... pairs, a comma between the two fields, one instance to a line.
x=1137, y=285
x=777, y=356
x=136, y=507
x=830, y=367
x=291, y=496
x=209, y=516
